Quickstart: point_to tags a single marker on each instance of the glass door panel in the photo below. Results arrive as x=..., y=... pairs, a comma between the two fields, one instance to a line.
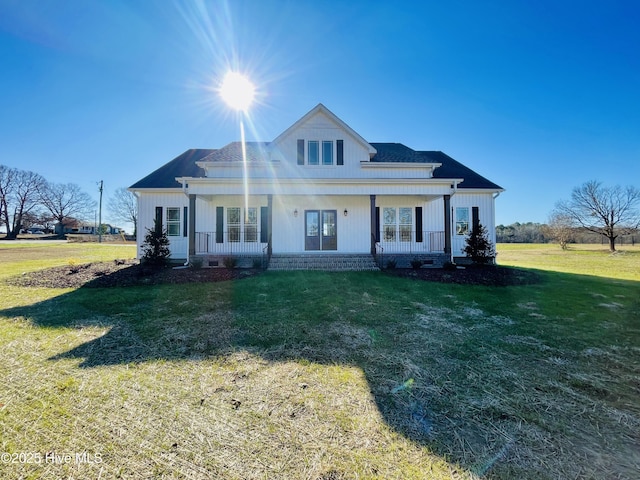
x=329, y=236
x=312, y=230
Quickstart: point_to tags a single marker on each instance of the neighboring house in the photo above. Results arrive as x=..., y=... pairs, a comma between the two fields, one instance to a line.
x=75, y=226
x=318, y=188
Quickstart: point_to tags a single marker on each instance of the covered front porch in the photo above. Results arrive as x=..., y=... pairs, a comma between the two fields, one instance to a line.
x=226, y=226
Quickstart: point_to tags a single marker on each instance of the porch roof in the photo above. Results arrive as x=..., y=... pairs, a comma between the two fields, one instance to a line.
x=183, y=165
x=256, y=152
x=449, y=168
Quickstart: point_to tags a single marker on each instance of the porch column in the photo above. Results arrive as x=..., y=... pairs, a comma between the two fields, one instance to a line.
x=374, y=221
x=269, y=223
x=447, y=224
x=192, y=224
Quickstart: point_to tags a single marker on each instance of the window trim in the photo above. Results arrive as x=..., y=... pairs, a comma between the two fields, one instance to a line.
x=461, y=225
x=173, y=223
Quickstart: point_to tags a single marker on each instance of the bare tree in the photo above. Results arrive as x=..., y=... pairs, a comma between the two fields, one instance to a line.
x=559, y=228
x=65, y=201
x=6, y=185
x=124, y=207
x=18, y=197
x=608, y=211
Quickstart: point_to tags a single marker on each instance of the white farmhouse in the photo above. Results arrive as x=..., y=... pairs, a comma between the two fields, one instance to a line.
x=319, y=190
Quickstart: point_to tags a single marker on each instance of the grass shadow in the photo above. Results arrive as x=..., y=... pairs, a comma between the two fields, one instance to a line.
x=489, y=378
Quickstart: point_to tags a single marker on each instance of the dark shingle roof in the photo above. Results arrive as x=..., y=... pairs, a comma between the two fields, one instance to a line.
x=233, y=153
x=453, y=169
x=396, y=152
x=185, y=165
x=182, y=166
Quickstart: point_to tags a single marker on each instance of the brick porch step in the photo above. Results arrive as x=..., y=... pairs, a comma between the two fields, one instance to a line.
x=326, y=262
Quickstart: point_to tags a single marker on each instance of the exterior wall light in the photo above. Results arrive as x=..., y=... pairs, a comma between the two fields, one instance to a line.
x=345, y=212
x=295, y=212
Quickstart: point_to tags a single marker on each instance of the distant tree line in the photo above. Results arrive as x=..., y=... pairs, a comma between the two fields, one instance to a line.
x=594, y=214
x=28, y=199
x=539, y=233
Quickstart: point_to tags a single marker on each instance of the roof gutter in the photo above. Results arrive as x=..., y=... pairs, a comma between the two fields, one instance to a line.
x=454, y=187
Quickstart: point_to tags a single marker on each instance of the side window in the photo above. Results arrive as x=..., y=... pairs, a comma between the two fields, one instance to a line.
x=462, y=221
x=173, y=222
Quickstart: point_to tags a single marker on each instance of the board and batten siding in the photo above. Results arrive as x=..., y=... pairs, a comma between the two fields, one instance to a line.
x=485, y=203
x=353, y=230
x=321, y=128
x=147, y=203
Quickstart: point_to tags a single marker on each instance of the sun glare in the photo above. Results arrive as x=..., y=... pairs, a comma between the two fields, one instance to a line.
x=237, y=91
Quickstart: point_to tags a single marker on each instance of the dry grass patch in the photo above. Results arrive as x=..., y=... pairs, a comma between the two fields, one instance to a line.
x=325, y=376
x=237, y=415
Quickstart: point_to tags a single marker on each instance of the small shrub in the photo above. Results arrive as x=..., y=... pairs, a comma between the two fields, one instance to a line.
x=416, y=263
x=391, y=263
x=74, y=265
x=155, y=249
x=230, y=262
x=478, y=246
x=196, y=263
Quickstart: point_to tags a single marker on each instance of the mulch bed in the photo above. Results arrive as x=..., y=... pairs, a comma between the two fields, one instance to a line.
x=121, y=273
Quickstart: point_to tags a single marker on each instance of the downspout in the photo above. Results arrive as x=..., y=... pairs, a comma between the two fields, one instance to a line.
x=185, y=191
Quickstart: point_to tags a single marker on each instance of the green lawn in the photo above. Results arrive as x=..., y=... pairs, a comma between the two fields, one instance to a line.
x=318, y=375
x=580, y=259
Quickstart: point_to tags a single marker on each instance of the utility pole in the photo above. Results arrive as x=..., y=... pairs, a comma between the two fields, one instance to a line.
x=100, y=215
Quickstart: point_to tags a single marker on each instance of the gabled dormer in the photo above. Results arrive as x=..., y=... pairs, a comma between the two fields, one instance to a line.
x=320, y=140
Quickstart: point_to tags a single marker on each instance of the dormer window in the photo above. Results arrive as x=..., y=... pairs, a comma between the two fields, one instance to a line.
x=313, y=157
x=327, y=153
x=320, y=152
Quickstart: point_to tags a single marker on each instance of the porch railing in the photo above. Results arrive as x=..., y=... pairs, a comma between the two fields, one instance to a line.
x=407, y=242
x=230, y=243
x=233, y=242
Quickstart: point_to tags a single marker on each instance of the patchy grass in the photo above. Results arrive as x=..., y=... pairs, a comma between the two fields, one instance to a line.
x=323, y=376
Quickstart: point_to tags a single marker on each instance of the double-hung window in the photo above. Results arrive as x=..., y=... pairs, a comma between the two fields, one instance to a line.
x=319, y=152
x=462, y=220
x=404, y=224
x=327, y=153
x=173, y=221
x=313, y=154
x=389, y=224
x=251, y=225
x=237, y=224
x=397, y=224
x=233, y=224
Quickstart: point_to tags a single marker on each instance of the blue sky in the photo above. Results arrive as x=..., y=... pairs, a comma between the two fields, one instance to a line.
x=539, y=97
